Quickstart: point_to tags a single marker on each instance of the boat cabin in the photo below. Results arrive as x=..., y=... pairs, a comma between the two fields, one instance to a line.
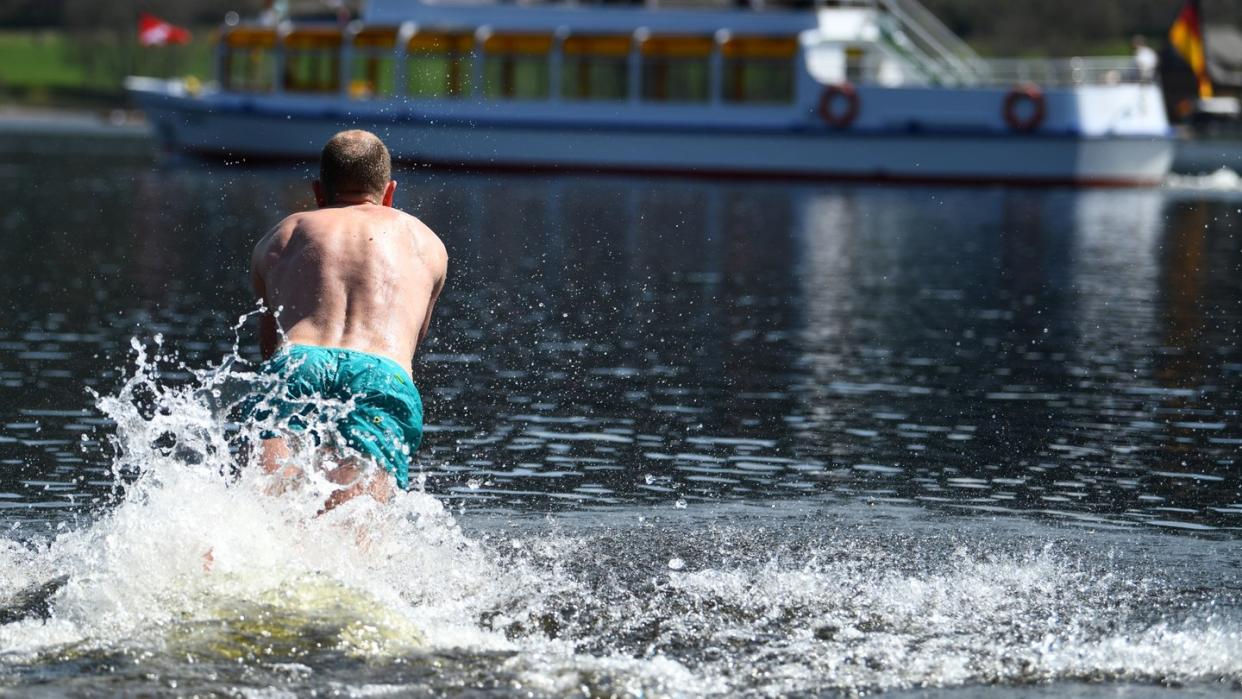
x=632, y=89
x=366, y=62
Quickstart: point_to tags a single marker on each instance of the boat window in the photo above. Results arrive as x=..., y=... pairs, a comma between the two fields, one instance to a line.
x=595, y=67
x=249, y=61
x=855, y=64
x=759, y=69
x=372, y=72
x=515, y=66
x=438, y=65
x=313, y=60
x=677, y=68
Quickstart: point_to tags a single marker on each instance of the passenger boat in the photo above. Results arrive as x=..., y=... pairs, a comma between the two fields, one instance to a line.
x=867, y=89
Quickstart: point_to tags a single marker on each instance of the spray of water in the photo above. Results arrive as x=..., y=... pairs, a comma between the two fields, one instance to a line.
x=197, y=563
x=195, y=531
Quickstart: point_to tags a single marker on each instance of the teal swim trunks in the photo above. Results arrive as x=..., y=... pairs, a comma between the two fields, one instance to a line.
x=386, y=422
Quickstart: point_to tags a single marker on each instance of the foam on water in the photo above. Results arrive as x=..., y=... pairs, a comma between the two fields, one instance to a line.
x=1221, y=180
x=187, y=539
x=758, y=601
x=775, y=612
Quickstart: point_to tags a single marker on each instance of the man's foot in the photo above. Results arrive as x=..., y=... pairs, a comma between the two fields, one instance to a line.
x=348, y=473
x=287, y=478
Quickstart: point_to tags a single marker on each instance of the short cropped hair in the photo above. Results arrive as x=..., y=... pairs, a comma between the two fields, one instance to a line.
x=354, y=162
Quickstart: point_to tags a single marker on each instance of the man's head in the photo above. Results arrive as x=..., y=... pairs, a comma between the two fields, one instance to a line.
x=354, y=168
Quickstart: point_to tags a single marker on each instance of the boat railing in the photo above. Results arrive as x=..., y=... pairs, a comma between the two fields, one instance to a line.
x=941, y=44
x=1063, y=72
x=923, y=40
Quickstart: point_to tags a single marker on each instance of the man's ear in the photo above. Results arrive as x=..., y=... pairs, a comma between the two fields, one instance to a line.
x=388, y=192
x=321, y=200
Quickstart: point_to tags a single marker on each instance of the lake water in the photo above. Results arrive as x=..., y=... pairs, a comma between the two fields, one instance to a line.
x=684, y=438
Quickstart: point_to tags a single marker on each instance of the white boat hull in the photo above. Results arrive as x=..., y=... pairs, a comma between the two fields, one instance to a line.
x=246, y=131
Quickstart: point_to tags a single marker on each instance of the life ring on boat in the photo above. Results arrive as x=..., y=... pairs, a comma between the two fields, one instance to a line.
x=1024, y=108
x=828, y=111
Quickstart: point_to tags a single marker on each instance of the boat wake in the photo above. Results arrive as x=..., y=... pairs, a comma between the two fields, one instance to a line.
x=197, y=578
x=1222, y=180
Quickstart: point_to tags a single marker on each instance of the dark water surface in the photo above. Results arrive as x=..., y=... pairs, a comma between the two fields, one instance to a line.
x=698, y=437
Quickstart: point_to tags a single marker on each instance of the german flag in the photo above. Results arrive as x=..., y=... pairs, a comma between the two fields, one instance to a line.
x=1186, y=36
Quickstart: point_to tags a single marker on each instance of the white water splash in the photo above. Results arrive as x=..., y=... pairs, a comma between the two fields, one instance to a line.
x=599, y=608
x=187, y=536
x=196, y=561
x=1222, y=180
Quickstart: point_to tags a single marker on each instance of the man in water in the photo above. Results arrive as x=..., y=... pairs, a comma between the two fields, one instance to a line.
x=352, y=286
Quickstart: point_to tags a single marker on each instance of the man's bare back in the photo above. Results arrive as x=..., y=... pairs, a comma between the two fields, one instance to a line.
x=362, y=276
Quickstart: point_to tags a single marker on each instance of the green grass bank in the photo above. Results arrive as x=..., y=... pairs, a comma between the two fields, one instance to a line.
x=87, y=69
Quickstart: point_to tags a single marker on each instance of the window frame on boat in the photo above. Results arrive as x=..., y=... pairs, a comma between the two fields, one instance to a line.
x=455, y=49
x=590, y=61
x=758, y=69
x=677, y=68
x=382, y=62
x=374, y=52
x=254, y=49
x=311, y=59
x=515, y=65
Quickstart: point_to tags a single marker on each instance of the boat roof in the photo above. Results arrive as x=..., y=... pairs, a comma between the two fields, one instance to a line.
x=585, y=19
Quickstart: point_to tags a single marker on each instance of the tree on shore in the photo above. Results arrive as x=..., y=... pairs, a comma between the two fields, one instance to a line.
x=103, y=36
x=1067, y=27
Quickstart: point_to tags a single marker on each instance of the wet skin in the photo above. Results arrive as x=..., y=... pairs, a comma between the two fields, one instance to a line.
x=355, y=274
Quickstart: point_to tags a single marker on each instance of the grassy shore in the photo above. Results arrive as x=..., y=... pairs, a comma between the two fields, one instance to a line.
x=55, y=68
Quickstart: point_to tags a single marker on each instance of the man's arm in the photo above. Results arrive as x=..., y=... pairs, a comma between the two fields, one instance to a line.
x=269, y=335
x=440, y=267
x=431, y=306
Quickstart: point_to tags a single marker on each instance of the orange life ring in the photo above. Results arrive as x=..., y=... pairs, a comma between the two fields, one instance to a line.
x=1014, y=100
x=829, y=113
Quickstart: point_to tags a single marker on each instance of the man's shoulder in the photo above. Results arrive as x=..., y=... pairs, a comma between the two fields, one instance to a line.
x=395, y=214
x=285, y=226
x=426, y=236
x=313, y=224
x=300, y=220
x=430, y=248
x=275, y=234
x=414, y=225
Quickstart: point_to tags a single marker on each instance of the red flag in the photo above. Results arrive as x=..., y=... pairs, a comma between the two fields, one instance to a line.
x=153, y=31
x=1186, y=35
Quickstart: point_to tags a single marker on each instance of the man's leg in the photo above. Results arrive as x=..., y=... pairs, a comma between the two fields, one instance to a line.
x=274, y=459
x=275, y=452
x=349, y=473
